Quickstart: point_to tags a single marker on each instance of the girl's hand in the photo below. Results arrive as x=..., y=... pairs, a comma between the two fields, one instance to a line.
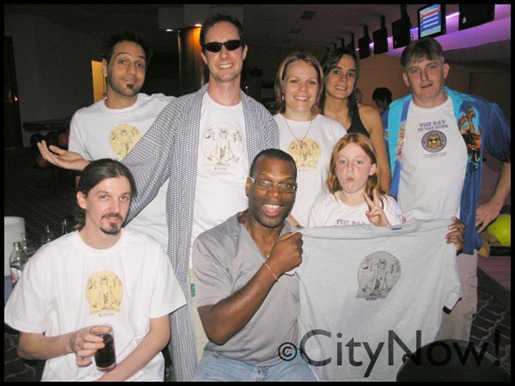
x=375, y=212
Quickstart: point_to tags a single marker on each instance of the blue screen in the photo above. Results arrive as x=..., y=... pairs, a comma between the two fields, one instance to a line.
x=431, y=20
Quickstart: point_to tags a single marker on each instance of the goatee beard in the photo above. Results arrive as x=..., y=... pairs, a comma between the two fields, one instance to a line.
x=114, y=230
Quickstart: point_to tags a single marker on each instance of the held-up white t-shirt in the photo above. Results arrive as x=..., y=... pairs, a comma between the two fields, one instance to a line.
x=368, y=294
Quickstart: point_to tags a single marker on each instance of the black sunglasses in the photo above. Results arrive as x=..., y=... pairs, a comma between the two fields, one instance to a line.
x=231, y=45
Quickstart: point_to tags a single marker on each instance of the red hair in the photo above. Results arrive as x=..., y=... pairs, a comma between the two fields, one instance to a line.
x=366, y=144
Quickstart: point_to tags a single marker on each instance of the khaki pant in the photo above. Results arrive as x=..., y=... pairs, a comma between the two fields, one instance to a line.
x=458, y=323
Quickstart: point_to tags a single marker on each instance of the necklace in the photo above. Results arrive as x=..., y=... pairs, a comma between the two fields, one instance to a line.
x=294, y=136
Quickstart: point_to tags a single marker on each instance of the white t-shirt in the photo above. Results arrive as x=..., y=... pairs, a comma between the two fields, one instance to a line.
x=434, y=161
x=366, y=291
x=329, y=210
x=100, y=132
x=310, y=144
x=222, y=165
x=68, y=285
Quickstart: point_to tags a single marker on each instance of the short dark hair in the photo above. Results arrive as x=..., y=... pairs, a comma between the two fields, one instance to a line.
x=108, y=48
x=275, y=154
x=96, y=172
x=382, y=94
x=425, y=48
x=217, y=18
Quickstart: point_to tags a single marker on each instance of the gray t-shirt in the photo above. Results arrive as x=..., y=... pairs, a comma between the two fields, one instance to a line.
x=225, y=258
x=368, y=294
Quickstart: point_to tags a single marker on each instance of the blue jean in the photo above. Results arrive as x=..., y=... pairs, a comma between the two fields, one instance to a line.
x=215, y=367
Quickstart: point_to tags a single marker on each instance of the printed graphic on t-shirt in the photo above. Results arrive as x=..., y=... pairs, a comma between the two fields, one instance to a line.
x=104, y=292
x=378, y=273
x=433, y=138
x=222, y=146
x=434, y=141
x=343, y=222
x=122, y=139
x=305, y=152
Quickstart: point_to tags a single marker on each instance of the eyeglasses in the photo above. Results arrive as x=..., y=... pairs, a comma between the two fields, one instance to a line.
x=231, y=45
x=285, y=187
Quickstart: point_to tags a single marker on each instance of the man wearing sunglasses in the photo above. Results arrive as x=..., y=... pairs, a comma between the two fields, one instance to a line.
x=203, y=143
x=231, y=45
x=248, y=301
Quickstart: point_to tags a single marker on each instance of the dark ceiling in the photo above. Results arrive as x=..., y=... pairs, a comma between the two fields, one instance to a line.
x=296, y=26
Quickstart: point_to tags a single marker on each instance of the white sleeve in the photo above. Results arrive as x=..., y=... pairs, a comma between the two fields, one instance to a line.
x=168, y=295
x=31, y=303
x=76, y=141
x=316, y=217
x=392, y=211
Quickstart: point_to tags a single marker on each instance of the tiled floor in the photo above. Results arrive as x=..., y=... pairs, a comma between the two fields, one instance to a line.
x=495, y=272
x=493, y=318
x=43, y=198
